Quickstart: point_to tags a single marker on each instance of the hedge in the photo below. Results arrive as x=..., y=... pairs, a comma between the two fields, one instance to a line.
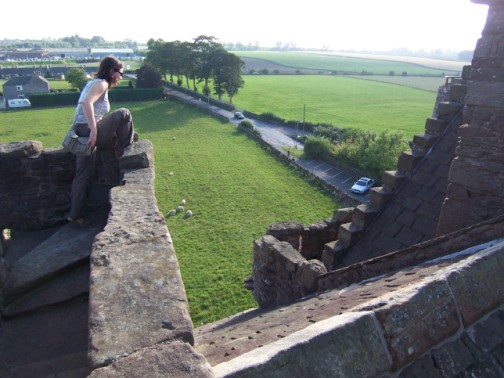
x=40, y=100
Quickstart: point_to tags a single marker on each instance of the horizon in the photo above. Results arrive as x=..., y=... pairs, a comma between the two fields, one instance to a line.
x=367, y=25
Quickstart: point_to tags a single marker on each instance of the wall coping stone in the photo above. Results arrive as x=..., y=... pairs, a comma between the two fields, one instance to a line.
x=386, y=334
x=137, y=297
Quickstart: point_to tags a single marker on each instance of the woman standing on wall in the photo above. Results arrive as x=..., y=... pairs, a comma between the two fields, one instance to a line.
x=105, y=130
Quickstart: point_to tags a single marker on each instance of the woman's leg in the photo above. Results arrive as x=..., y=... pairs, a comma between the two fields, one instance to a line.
x=81, y=185
x=115, y=130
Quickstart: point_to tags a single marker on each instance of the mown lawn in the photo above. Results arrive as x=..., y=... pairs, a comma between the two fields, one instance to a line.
x=234, y=188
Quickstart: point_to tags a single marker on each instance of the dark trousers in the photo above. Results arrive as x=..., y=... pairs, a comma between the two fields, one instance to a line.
x=115, y=131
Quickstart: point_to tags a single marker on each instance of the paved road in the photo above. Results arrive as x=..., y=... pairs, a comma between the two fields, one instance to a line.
x=280, y=137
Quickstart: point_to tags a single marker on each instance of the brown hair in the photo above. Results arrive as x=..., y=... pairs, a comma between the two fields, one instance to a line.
x=107, y=64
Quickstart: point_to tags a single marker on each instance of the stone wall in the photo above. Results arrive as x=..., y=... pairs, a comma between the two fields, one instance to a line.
x=35, y=185
x=476, y=189
x=287, y=260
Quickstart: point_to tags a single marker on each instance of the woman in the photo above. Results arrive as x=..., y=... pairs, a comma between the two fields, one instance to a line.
x=105, y=130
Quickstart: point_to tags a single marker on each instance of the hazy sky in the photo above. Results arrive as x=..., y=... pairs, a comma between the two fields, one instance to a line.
x=338, y=24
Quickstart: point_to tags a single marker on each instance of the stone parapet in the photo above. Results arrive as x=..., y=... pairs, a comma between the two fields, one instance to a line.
x=138, y=310
x=391, y=334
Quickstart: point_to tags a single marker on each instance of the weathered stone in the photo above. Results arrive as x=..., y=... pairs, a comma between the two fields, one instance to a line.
x=415, y=319
x=275, y=272
x=379, y=197
x=349, y=233
x=289, y=232
x=363, y=215
x=349, y=345
x=435, y=126
x=20, y=149
x=474, y=285
x=175, y=359
x=343, y=215
x=308, y=274
x=137, y=298
x=68, y=247
x=138, y=155
x=407, y=162
x=392, y=180
x=58, y=290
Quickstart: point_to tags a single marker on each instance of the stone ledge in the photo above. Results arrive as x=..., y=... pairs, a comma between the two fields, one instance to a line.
x=174, y=359
x=349, y=345
x=137, y=297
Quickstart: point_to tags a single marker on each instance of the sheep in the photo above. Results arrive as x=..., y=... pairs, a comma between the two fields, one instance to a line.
x=179, y=209
x=170, y=174
x=183, y=202
x=188, y=213
x=170, y=213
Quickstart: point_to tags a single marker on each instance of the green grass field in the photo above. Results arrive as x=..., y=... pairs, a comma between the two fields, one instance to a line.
x=341, y=101
x=234, y=188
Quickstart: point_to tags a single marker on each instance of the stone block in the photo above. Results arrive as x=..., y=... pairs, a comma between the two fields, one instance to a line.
x=363, y=215
x=343, y=215
x=175, y=359
x=308, y=274
x=485, y=94
x=333, y=254
x=348, y=345
x=448, y=109
x=424, y=142
x=407, y=162
x=348, y=234
x=435, y=126
x=478, y=284
x=379, y=197
x=138, y=155
x=16, y=150
x=392, y=180
x=415, y=319
x=457, y=92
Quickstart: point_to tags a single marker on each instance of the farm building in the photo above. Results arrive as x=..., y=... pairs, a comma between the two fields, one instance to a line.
x=23, y=86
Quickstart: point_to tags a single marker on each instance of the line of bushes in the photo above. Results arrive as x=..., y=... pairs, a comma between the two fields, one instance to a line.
x=354, y=149
x=366, y=151
x=40, y=100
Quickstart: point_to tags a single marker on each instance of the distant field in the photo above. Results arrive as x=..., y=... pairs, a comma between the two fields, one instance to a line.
x=341, y=101
x=438, y=64
x=353, y=64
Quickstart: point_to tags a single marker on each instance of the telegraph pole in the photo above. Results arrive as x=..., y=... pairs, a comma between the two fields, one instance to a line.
x=304, y=116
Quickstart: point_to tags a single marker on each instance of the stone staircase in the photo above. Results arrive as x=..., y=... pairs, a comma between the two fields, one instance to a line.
x=45, y=307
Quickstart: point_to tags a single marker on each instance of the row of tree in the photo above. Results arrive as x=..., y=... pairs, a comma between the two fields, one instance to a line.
x=74, y=41
x=202, y=61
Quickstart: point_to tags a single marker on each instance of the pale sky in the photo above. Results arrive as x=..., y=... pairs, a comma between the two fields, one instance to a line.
x=338, y=24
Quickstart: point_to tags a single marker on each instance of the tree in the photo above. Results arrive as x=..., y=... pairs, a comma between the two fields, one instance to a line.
x=148, y=77
x=76, y=77
x=226, y=73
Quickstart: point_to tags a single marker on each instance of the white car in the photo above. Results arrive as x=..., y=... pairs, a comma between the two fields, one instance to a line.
x=362, y=185
x=239, y=115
